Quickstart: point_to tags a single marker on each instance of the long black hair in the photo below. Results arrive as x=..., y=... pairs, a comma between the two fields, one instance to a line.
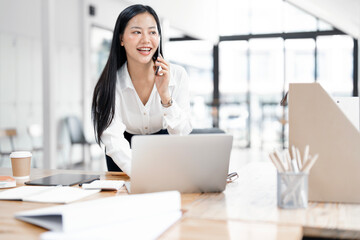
x=103, y=103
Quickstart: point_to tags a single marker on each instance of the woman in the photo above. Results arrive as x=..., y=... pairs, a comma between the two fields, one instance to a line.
x=129, y=98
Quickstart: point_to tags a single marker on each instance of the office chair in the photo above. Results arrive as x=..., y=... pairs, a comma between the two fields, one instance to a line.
x=206, y=130
x=35, y=132
x=7, y=135
x=76, y=133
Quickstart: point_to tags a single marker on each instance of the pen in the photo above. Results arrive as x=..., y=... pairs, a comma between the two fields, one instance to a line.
x=90, y=181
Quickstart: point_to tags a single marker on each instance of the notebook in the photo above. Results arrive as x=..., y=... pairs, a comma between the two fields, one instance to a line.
x=188, y=164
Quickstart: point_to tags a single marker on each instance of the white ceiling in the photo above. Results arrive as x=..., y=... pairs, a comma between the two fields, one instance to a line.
x=189, y=16
x=342, y=14
x=200, y=18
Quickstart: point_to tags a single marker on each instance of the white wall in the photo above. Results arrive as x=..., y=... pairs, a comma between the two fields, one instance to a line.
x=107, y=11
x=20, y=66
x=21, y=17
x=21, y=96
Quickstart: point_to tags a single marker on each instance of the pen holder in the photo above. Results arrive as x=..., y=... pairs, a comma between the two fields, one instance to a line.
x=292, y=190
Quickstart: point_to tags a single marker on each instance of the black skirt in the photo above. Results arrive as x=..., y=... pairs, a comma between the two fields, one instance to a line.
x=111, y=165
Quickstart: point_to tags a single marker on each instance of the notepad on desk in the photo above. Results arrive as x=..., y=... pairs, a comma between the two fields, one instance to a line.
x=46, y=194
x=104, y=185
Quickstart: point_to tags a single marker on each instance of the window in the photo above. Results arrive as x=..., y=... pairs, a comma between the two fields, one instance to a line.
x=234, y=89
x=196, y=58
x=335, y=61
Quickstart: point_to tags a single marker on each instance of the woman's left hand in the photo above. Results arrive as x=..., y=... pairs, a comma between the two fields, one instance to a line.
x=162, y=79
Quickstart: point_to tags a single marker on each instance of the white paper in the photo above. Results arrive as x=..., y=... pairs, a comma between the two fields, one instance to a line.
x=46, y=194
x=21, y=192
x=61, y=195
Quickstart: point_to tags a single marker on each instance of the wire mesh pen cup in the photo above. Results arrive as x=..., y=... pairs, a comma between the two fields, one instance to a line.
x=292, y=190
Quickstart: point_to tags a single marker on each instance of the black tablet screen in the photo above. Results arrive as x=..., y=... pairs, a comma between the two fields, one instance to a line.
x=63, y=179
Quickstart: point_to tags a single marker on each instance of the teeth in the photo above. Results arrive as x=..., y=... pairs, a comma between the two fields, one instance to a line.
x=144, y=49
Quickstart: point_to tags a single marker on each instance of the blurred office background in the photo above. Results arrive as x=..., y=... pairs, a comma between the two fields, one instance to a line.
x=240, y=56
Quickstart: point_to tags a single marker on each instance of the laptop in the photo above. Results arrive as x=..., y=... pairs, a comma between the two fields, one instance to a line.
x=189, y=164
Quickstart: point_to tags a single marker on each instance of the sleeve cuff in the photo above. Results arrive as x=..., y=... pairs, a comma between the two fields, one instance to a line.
x=123, y=161
x=172, y=115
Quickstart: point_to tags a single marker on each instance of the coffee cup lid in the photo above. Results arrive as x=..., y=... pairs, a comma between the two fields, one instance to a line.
x=20, y=154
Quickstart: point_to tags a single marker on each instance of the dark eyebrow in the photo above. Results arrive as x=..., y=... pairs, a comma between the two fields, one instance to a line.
x=135, y=27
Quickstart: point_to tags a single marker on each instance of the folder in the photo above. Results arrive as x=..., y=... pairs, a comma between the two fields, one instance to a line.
x=103, y=218
x=316, y=120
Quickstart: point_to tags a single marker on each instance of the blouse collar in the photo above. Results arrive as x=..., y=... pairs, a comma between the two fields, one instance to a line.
x=123, y=77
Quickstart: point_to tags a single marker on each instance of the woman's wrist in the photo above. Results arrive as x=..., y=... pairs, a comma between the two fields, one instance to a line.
x=165, y=98
x=167, y=104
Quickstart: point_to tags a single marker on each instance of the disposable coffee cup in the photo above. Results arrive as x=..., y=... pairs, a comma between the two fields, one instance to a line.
x=20, y=163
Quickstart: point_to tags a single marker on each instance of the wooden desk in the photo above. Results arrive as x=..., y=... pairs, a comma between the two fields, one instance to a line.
x=246, y=209
x=252, y=198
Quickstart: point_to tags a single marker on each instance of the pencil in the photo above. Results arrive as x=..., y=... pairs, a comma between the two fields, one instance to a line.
x=306, y=154
x=293, y=152
x=277, y=164
x=309, y=163
x=288, y=159
x=298, y=158
x=280, y=159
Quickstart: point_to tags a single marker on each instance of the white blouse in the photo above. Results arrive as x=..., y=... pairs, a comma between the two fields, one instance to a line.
x=133, y=116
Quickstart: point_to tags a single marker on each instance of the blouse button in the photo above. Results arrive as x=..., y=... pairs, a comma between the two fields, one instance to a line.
x=144, y=113
x=146, y=127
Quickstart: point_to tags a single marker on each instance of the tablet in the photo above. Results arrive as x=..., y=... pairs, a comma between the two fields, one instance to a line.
x=63, y=179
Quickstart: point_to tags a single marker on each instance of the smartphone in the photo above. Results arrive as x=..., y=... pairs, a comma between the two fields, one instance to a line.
x=157, y=55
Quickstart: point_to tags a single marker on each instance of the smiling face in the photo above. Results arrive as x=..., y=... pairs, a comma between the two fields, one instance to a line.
x=140, y=38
